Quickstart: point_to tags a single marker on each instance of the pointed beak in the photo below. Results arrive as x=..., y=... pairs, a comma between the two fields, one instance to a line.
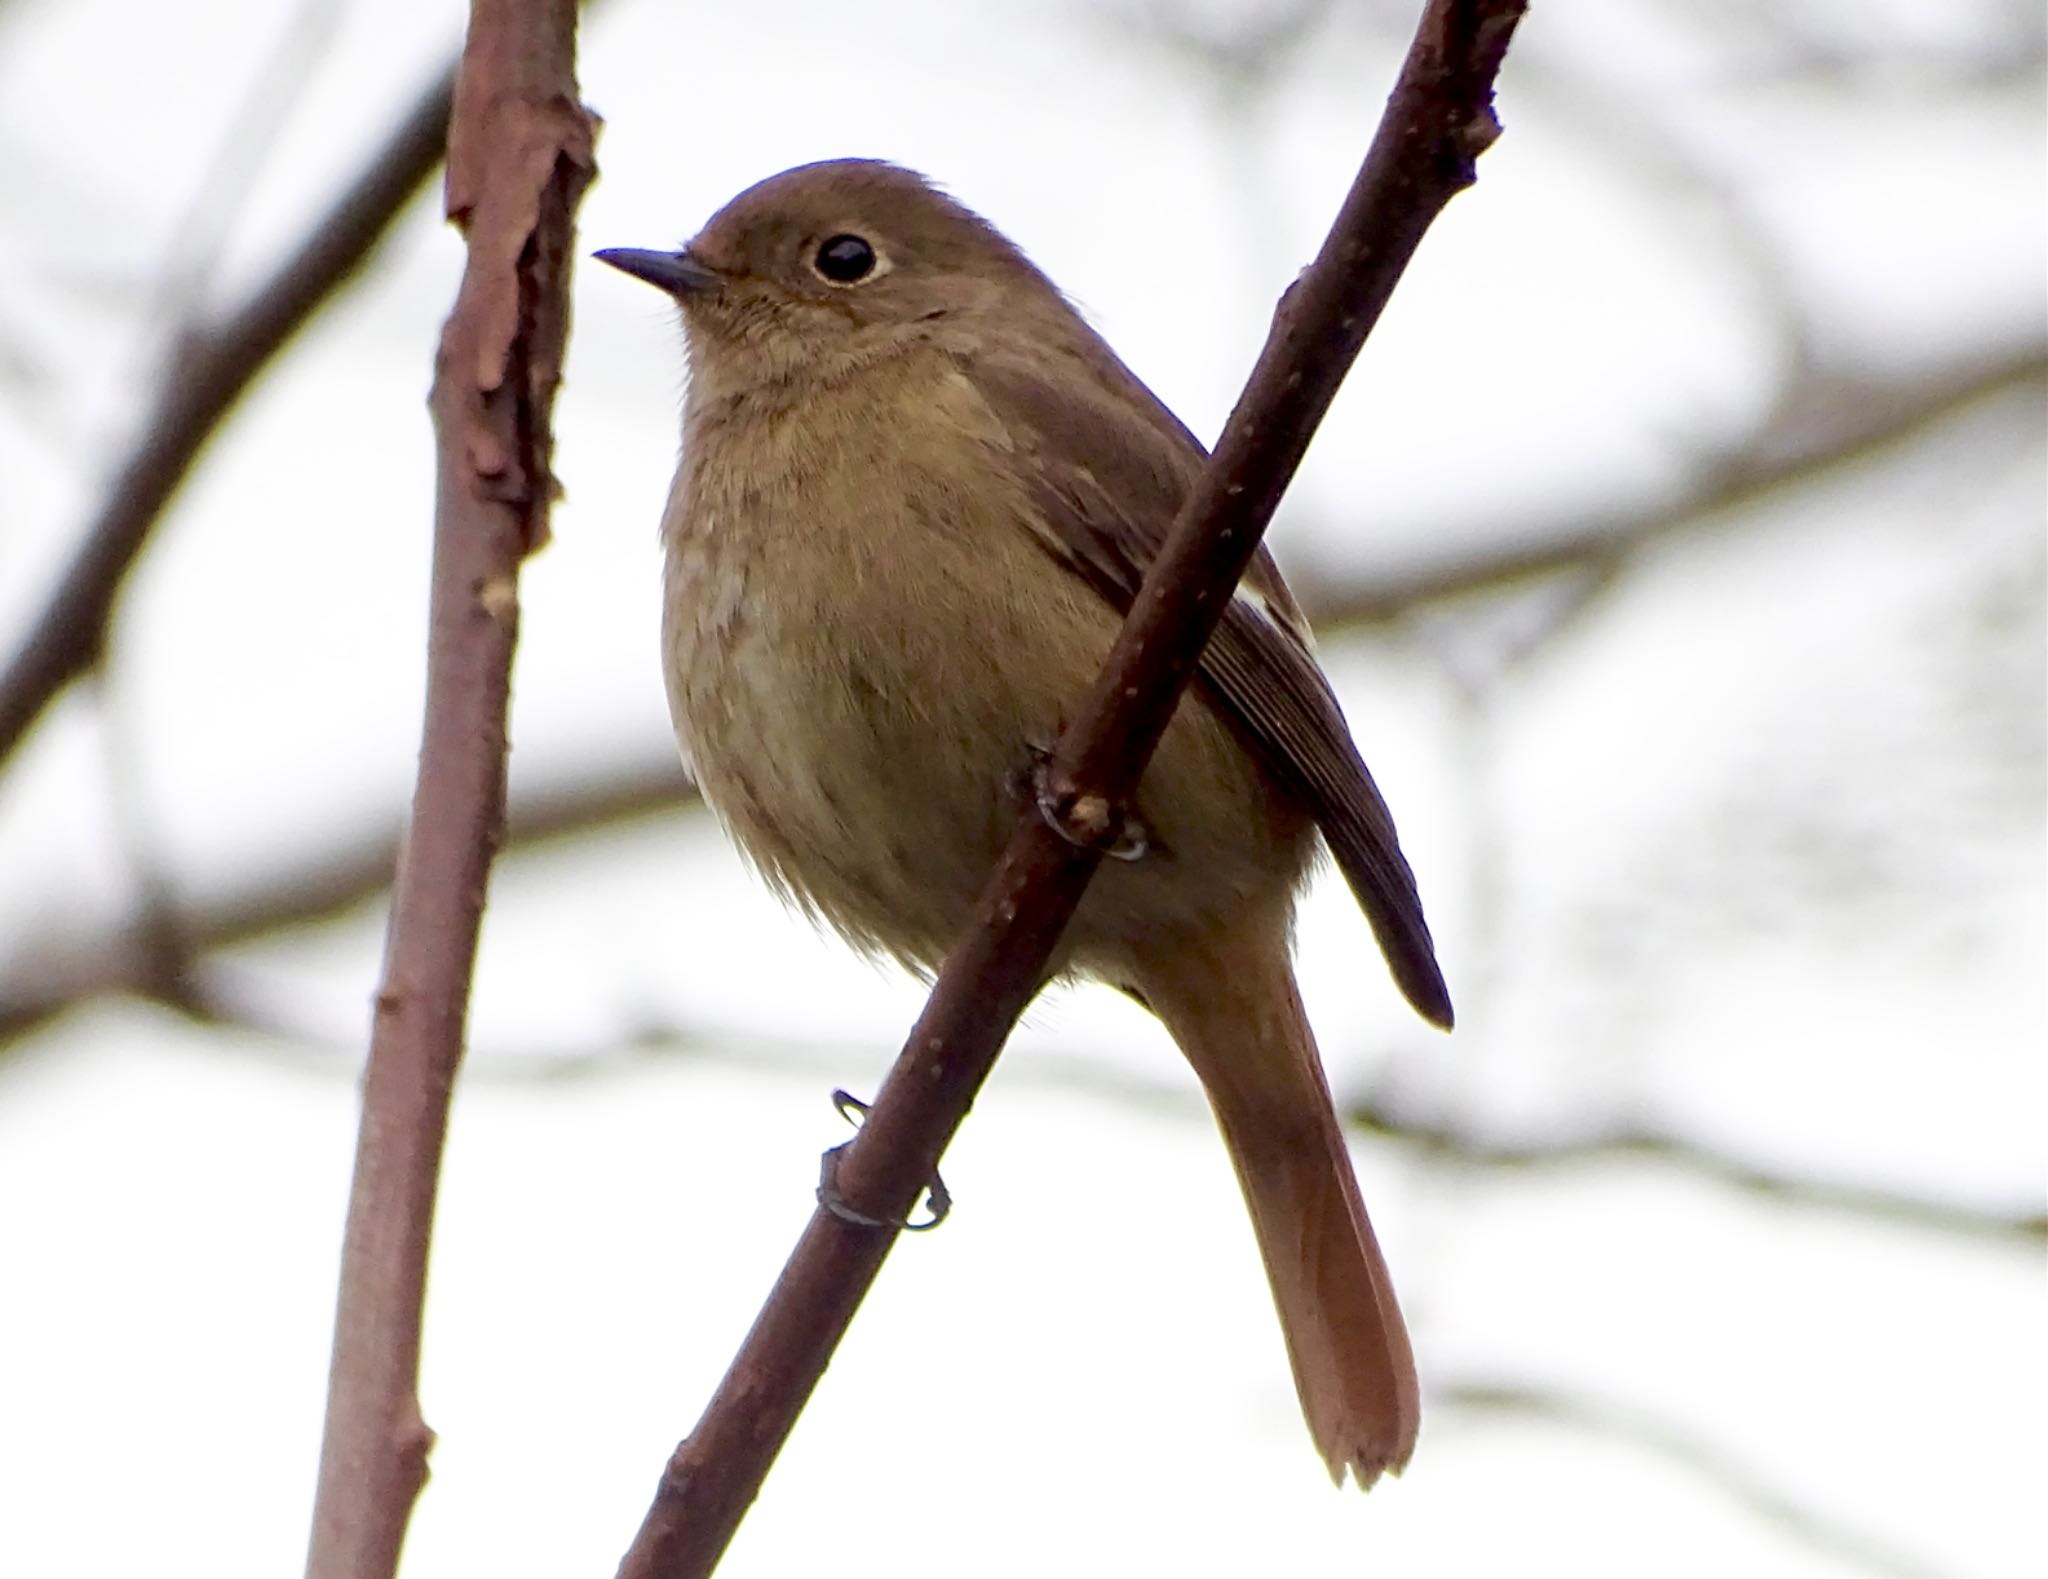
x=675, y=272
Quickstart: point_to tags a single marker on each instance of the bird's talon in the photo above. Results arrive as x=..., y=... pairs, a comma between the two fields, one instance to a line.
x=1086, y=820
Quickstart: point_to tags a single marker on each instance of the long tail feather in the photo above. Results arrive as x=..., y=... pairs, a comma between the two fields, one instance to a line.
x=1239, y=1020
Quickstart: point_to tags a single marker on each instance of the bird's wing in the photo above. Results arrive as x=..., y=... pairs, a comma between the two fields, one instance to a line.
x=1108, y=467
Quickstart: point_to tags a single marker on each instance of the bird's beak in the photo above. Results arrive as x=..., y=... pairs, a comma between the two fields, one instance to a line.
x=675, y=272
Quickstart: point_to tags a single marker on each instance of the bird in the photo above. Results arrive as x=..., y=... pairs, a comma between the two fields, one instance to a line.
x=917, y=492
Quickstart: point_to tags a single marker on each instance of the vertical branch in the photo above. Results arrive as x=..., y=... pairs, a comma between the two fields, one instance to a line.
x=519, y=157
x=1439, y=119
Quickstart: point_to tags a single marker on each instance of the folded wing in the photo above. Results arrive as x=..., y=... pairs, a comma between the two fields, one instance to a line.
x=1258, y=666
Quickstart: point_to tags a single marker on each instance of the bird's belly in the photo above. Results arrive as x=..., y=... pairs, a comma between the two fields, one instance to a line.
x=865, y=762
x=864, y=725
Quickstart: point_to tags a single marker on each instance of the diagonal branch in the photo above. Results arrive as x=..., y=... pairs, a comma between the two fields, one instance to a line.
x=214, y=368
x=519, y=156
x=1438, y=120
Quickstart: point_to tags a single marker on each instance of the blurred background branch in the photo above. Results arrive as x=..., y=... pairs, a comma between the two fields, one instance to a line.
x=1819, y=427
x=1692, y=1455
x=160, y=953
x=212, y=365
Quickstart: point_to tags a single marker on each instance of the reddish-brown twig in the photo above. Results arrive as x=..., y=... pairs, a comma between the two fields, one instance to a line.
x=1438, y=120
x=519, y=157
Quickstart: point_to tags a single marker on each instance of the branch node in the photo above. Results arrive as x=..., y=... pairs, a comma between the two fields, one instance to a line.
x=1479, y=133
x=498, y=597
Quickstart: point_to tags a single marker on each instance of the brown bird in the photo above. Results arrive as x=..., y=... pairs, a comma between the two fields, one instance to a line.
x=917, y=493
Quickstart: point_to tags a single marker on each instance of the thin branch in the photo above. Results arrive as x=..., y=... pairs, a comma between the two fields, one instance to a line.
x=1438, y=120
x=1748, y=1488
x=1823, y=427
x=212, y=369
x=519, y=158
x=315, y=888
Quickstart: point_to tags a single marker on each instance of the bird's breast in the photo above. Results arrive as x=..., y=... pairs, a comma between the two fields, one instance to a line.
x=864, y=643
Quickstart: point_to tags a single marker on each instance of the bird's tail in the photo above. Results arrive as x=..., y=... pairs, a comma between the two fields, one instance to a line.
x=1236, y=1014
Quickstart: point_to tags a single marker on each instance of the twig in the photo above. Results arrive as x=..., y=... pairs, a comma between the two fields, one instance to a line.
x=213, y=369
x=1438, y=120
x=519, y=157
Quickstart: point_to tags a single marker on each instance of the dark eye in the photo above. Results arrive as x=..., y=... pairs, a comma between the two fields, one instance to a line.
x=845, y=260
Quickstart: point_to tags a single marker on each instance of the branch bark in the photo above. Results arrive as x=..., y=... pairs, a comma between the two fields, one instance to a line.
x=1438, y=120
x=519, y=157
x=212, y=370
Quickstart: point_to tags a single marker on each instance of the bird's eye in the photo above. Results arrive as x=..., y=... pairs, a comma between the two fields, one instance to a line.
x=845, y=260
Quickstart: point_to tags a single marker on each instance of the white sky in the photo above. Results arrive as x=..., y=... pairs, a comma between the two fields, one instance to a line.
x=1744, y=852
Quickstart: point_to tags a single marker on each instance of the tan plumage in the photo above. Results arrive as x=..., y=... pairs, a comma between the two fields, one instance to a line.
x=912, y=505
